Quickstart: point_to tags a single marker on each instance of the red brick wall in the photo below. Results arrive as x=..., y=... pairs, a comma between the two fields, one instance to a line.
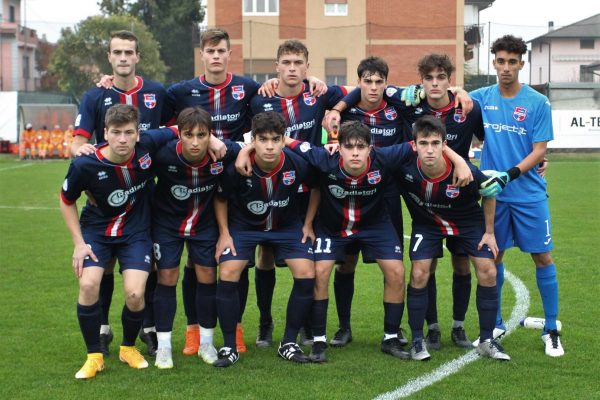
x=292, y=19
x=228, y=16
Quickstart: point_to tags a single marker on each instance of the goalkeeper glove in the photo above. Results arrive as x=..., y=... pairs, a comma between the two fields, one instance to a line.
x=493, y=186
x=412, y=95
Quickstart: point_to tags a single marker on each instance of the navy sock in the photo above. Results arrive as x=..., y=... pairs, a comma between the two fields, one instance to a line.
x=431, y=314
x=89, y=323
x=499, y=284
x=228, y=310
x=149, y=299
x=299, y=305
x=416, y=304
x=319, y=317
x=461, y=295
x=243, y=292
x=487, y=304
x=206, y=304
x=132, y=322
x=107, y=287
x=343, y=287
x=165, y=307
x=188, y=291
x=392, y=316
x=264, y=281
x=548, y=287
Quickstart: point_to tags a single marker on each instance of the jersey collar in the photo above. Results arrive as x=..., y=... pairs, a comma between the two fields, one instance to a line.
x=439, y=178
x=101, y=157
x=198, y=164
x=220, y=86
x=262, y=174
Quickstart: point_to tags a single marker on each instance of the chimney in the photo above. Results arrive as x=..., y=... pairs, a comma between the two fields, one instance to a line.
x=550, y=26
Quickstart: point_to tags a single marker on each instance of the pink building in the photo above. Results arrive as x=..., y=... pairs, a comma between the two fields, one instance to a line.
x=18, y=48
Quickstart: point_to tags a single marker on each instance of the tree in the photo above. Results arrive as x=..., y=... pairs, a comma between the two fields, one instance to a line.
x=49, y=81
x=175, y=24
x=80, y=57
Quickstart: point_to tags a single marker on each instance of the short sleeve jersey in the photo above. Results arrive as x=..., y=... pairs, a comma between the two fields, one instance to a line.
x=184, y=192
x=121, y=191
x=512, y=126
x=148, y=97
x=266, y=201
x=227, y=103
x=303, y=113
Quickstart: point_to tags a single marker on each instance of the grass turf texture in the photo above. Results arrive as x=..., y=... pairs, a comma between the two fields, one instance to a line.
x=42, y=347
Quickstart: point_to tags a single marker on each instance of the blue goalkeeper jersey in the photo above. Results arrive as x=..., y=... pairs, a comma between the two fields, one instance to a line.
x=512, y=126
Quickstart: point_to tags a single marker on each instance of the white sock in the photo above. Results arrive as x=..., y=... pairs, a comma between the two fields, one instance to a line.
x=105, y=329
x=150, y=329
x=387, y=336
x=320, y=338
x=206, y=335
x=458, y=324
x=164, y=340
x=435, y=326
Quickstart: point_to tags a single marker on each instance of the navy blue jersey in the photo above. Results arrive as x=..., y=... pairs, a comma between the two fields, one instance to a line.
x=349, y=203
x=227, y=103
x=121, y=191
x=303, y=113
x=266, y=201
x=149, y=97
x=436, y=202
x=184, y=193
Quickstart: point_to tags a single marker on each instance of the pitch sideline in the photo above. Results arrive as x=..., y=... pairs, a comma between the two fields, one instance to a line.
x=451, y=367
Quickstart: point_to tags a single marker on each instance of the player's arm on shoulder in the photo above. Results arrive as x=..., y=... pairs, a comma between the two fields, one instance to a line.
x=489, y=238
x=106, y=82
x=81, y=146
x=313, y=205
x=225, y=240
x=269, y=88
x=462, y=98
x=395, y=155
x=316, y=156
x=462, y=172
x=243, y=164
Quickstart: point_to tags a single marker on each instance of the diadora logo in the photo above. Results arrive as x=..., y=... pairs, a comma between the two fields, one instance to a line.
x=150, y=100
x=452, y=191
x=237, y=92
x=289, y=177
x=268, y=107
x=108, y=101
x=493, y=108
x=216, y=168
x=519, y=114
x=259, y=207
x=102, y=175
x=390, y=113
x=172, y=168
x=145, y=161
x=308, y=99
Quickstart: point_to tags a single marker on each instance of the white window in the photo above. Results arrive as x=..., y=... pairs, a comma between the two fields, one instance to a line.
x=260, y=7
x=336, y=8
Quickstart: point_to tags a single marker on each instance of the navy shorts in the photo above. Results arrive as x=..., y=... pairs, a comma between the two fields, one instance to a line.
x=286, y=243
x=426, y=242
x=394, y=207
x=378, y=239
x=168, y=248
x=132, y=251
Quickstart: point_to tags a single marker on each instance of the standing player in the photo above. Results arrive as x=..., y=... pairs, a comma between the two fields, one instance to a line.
x=118, y=177
x=439, y=211
x=183, y=213
x=262, y=209
x=26, y=142
x=518, y=126
x=149, y=97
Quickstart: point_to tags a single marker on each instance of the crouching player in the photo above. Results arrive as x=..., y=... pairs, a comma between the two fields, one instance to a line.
x=262, y=209
x=116, y=175
x=183, y=213
x=441, y=211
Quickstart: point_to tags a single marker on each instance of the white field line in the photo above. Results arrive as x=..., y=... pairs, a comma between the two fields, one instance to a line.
x=451, y=367
x=15, y=167
x=28, y=208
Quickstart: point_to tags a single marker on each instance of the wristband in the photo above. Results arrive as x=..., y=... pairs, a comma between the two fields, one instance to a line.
x=513, y=173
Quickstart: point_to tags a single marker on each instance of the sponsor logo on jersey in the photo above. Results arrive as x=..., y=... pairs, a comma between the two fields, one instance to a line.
x=304, y=147
x=195, y=92
x=339, y=192
x=225, y=117
x=289, y=177
x=520, y=114
x=102, y=175
x=118, y=197
x=268, y=107
x=108, y=101
x=216, y=168
x=390, y=113
x=259, y=207
x=181, y=192
x=390, y=91
x=418, y=111
x=374, y=177
x=172, y=168
x=459, y=116
x=452, y=191
x=309, y=100
x=495, y=108
x=332, y=177
x=150, y=100
x=145, y=161
x=237, y=92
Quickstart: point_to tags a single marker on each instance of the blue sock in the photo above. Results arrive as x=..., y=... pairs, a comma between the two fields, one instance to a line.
x=392, y=316
x=206, y=304
x=228, y=310
x=319, y=317
x=461, y=295
x=165, y=307
x=548, y=287
x=486, y=308
x=89, y=323
x=343, y=288
x=264, y=281
x=188, y=291
x=149, y=299
x=416, y=304
x=298, y=307
x=132, y=322
x=499, y=284
x=243, y=292
x=107, y=286
x=431, y=316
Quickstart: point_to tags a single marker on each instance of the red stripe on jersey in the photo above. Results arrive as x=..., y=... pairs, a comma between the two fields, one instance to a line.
x=439, y=178
x=65, y=200
x=442, y=113
x=82, y=132
x=202, y=79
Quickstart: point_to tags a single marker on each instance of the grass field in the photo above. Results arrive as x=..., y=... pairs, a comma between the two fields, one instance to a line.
x=41, y=346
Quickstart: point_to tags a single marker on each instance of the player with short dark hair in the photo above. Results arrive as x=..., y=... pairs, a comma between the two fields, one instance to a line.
x=518, y=127
x=117, y=175
x=439, y=211
x=262, y=209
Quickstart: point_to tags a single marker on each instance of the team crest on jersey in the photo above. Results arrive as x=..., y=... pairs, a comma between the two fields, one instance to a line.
x=459, y=116
x=452, y=191
x=289, y=177
x=520, y=114
x=308, y=99
x=374, y=177
x=216, y=168
x=150, y=100
x=390, y=113
x=237, y=92
x=145, y=161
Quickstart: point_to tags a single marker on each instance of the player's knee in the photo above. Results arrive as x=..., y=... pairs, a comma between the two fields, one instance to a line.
x=168, y=276
x=88, y=292
x=486, y=274
x=419, y=277
x=134, y=299
x=348, y=267
x=542, y=259
x=206, y=275
x=460, y=265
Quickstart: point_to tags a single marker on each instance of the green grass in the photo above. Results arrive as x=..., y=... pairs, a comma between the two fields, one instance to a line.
x=41, y=346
